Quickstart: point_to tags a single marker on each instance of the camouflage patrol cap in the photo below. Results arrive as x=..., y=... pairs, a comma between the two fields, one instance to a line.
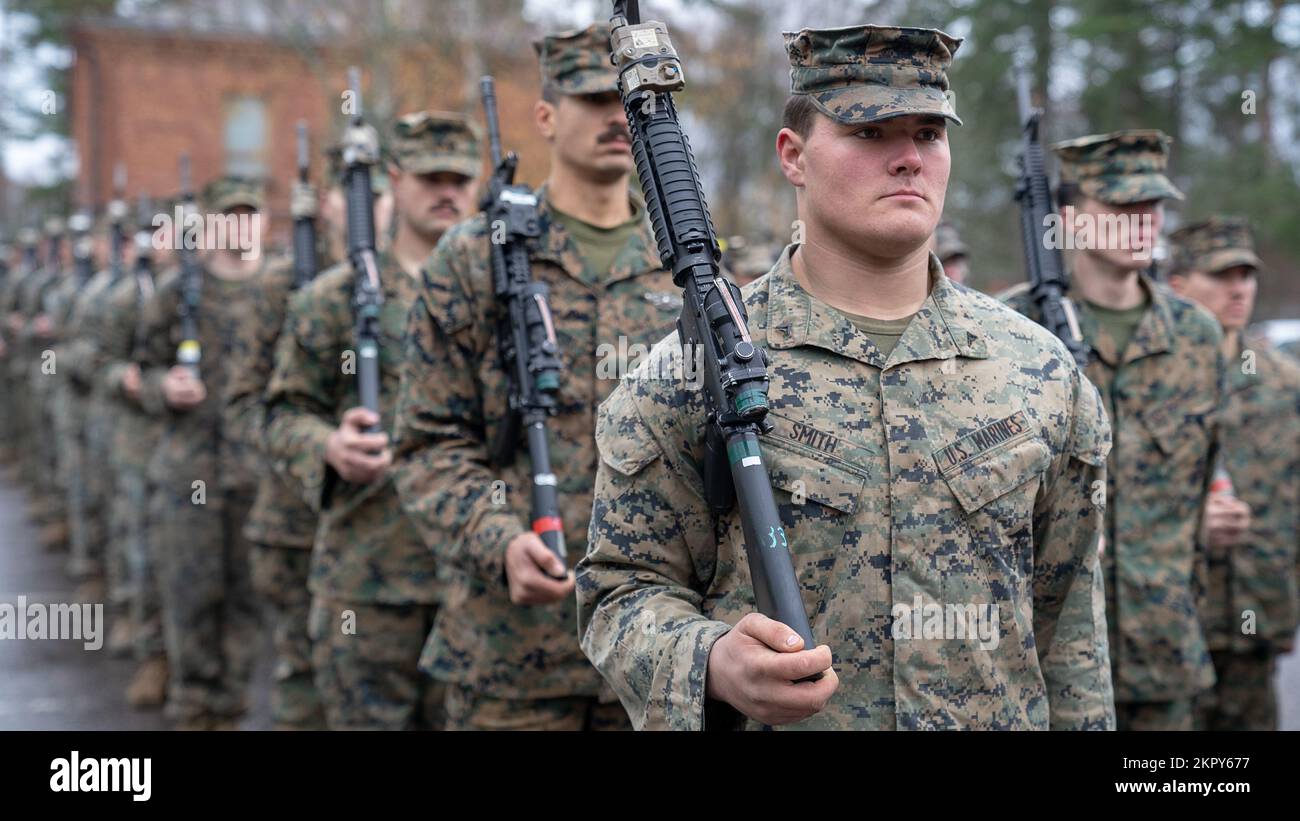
x=54, y=226
x=947, y=242
x=1119, y=168
x=425, y=142
x=1214, y=244
x=865, y=74
x=225, y=193
x=577, y=62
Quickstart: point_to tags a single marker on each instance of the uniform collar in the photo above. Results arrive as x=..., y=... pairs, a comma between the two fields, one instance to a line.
x=556, y=245
x=942, y=328
x=1153, y=335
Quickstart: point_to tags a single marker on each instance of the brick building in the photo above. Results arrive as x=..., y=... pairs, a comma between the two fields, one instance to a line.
x=142, y=95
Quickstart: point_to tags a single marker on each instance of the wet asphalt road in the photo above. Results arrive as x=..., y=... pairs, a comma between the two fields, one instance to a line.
x=61, y=685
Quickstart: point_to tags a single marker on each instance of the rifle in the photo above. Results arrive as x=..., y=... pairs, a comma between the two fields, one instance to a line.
x=526, y=338
x=360, y=152
x=1048, y=284
x=29, y=239
x=189, y=353
x=304, y=216
x=79, y=224
x=713, y=322
x=144, y=282
x=117, y=210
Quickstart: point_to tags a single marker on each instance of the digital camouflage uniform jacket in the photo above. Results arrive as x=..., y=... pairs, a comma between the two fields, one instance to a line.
x=279, y=516
x=132, y=425
x=1259, y=441
x=957, y=472
x=454, y=398
x=196, y=445
x=1161, y=396
x=366, y=548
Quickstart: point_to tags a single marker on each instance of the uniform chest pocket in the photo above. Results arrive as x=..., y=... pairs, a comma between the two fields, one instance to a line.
x=989, y=476
x=996, y=492
x=830, y=483
x=1177, y=433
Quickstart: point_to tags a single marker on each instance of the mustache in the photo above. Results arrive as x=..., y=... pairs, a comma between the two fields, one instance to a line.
x=615, y=132
x=446, y=204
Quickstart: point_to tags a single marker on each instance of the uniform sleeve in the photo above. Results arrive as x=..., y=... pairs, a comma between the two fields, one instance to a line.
x=114, y=336
x=251, y=364
x=639, y=596
x=301, y=405
x=1069, y=599
x=154, y=353
x=441, y=467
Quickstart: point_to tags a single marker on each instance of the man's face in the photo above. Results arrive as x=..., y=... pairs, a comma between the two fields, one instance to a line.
x=955, y=267
x=1123, y=235
x=879, y=186
x=588, y=134
x=429, y=204
x=1228, y=294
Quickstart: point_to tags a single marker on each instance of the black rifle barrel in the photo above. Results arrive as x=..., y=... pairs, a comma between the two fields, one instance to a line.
x=305, y=262
x=713, y=321
x=189, y=353
x=360, y=152
x=526, y=336
x=1048, y=284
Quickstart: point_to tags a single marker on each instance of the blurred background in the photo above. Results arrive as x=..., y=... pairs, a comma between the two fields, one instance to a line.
x=87, y=85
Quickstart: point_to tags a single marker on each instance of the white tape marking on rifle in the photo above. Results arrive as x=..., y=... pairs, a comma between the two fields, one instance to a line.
x=644, y=39
x=544, y=479
x=750, y=461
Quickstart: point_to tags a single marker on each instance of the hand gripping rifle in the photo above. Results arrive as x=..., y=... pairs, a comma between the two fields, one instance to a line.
x=1048, y=284
x=303, y=207
x=712, y=325
x=526, y=331
x=189, y=353
x=360, y=152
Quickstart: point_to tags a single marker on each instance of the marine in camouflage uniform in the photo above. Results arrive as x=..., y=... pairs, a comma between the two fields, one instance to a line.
x=11, y=355
x=1158, y=365
x=953, y=467
x=510, y=661
x=280, y=525
x=36, y=303
x=203, y=480
x=120, y=341
x=80, y=477
x=1250, y=609
x=374, y=584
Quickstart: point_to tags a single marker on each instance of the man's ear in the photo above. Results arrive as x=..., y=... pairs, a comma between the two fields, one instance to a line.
x=393, y=174
x=789, y=151
x=544, y=118
x=1178, y=284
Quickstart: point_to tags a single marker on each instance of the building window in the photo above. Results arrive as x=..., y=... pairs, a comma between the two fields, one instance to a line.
x=246, y=137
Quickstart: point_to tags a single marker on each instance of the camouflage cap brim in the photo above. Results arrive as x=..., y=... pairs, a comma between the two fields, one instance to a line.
x=1227, y=258
x=859, y=104
x=1126, y=189
x=435, y=164
x=235, y=200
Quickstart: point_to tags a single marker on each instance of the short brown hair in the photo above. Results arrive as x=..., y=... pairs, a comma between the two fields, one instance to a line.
x=798, y=114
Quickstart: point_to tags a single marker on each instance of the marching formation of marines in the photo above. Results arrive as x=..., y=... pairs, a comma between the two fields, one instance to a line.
x=984, y=532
